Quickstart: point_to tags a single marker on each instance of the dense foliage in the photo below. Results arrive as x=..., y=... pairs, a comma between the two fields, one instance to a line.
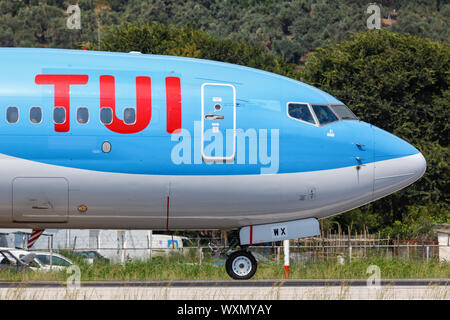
x=285, y=27
x=396, y=81
x=189, y=42
x=401, y=84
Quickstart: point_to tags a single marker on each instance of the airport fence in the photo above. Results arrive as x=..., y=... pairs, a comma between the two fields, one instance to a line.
x=323, y=249
x=344, y=247
x=308, y=250
x=331, y=246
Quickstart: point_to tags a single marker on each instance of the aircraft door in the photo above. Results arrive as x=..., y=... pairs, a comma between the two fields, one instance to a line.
x=218, y=125
x=40, y=199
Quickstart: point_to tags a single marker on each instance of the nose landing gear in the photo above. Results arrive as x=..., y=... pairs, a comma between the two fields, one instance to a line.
x=241, y=265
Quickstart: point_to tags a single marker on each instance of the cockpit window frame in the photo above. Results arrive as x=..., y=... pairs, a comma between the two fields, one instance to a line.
x=342, y=119
x=329, y=107
x=316, y=120
x=300, y=120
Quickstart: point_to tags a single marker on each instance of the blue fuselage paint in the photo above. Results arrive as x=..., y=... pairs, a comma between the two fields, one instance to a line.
x=261, y=102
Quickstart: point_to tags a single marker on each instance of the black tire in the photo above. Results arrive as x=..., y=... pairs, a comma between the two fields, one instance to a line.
x=241, y=265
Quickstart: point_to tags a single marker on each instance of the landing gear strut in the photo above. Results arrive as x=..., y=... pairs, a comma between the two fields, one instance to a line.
x=241, y=265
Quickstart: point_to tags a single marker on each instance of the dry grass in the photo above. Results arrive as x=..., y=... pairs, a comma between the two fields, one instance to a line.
x=183, y=268
x=233, y=293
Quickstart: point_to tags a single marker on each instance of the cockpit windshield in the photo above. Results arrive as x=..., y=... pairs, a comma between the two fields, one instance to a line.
x=301, y=112
x=343, y=112
x=319, y=114
x=324, y=114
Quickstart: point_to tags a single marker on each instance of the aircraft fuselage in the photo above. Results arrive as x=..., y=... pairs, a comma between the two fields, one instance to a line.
x=129, y=141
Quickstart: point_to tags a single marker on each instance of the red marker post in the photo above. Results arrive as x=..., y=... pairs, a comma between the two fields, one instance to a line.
x=286, y=258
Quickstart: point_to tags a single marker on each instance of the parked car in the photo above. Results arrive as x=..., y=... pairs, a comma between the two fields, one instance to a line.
x=39, y=261
x=58, y=262
x=91, y=256
x=9, y=261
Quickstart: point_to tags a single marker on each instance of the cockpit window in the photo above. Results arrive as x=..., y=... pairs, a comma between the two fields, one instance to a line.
x=301, y=112
x=324, y=114
x=344, y=112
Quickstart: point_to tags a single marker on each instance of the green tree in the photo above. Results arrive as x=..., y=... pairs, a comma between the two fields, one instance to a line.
x=288, y=28
x=188, y=41
x=399, y=83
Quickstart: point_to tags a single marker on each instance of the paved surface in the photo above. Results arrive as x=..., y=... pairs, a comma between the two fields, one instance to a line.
x=231, y=283
x=230, y=290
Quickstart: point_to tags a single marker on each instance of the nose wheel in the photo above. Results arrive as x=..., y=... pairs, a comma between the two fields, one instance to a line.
x=241, y=265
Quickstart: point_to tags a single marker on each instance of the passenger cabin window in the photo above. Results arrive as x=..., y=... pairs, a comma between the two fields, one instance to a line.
x=129, y=116
x=324, y=114
x=301, y=112
x=59, y=115
x=344, y=112
x=12, y=114
x=106, y=115
x=83, y=115
x=35, y=115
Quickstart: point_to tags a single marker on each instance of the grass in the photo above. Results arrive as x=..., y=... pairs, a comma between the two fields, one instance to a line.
x=179, y=267
x=390, y=268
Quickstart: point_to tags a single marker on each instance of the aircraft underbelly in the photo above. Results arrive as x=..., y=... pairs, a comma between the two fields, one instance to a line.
x=236, y=201
x=126, y=201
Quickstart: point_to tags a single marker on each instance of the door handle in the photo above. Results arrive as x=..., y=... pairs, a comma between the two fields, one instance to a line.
x=40, y=207
x=214, y=117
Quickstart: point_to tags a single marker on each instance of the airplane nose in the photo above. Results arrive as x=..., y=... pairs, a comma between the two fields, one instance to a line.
x=397, y=163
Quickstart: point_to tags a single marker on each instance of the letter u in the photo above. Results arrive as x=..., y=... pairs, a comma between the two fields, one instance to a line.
x=143, y=104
